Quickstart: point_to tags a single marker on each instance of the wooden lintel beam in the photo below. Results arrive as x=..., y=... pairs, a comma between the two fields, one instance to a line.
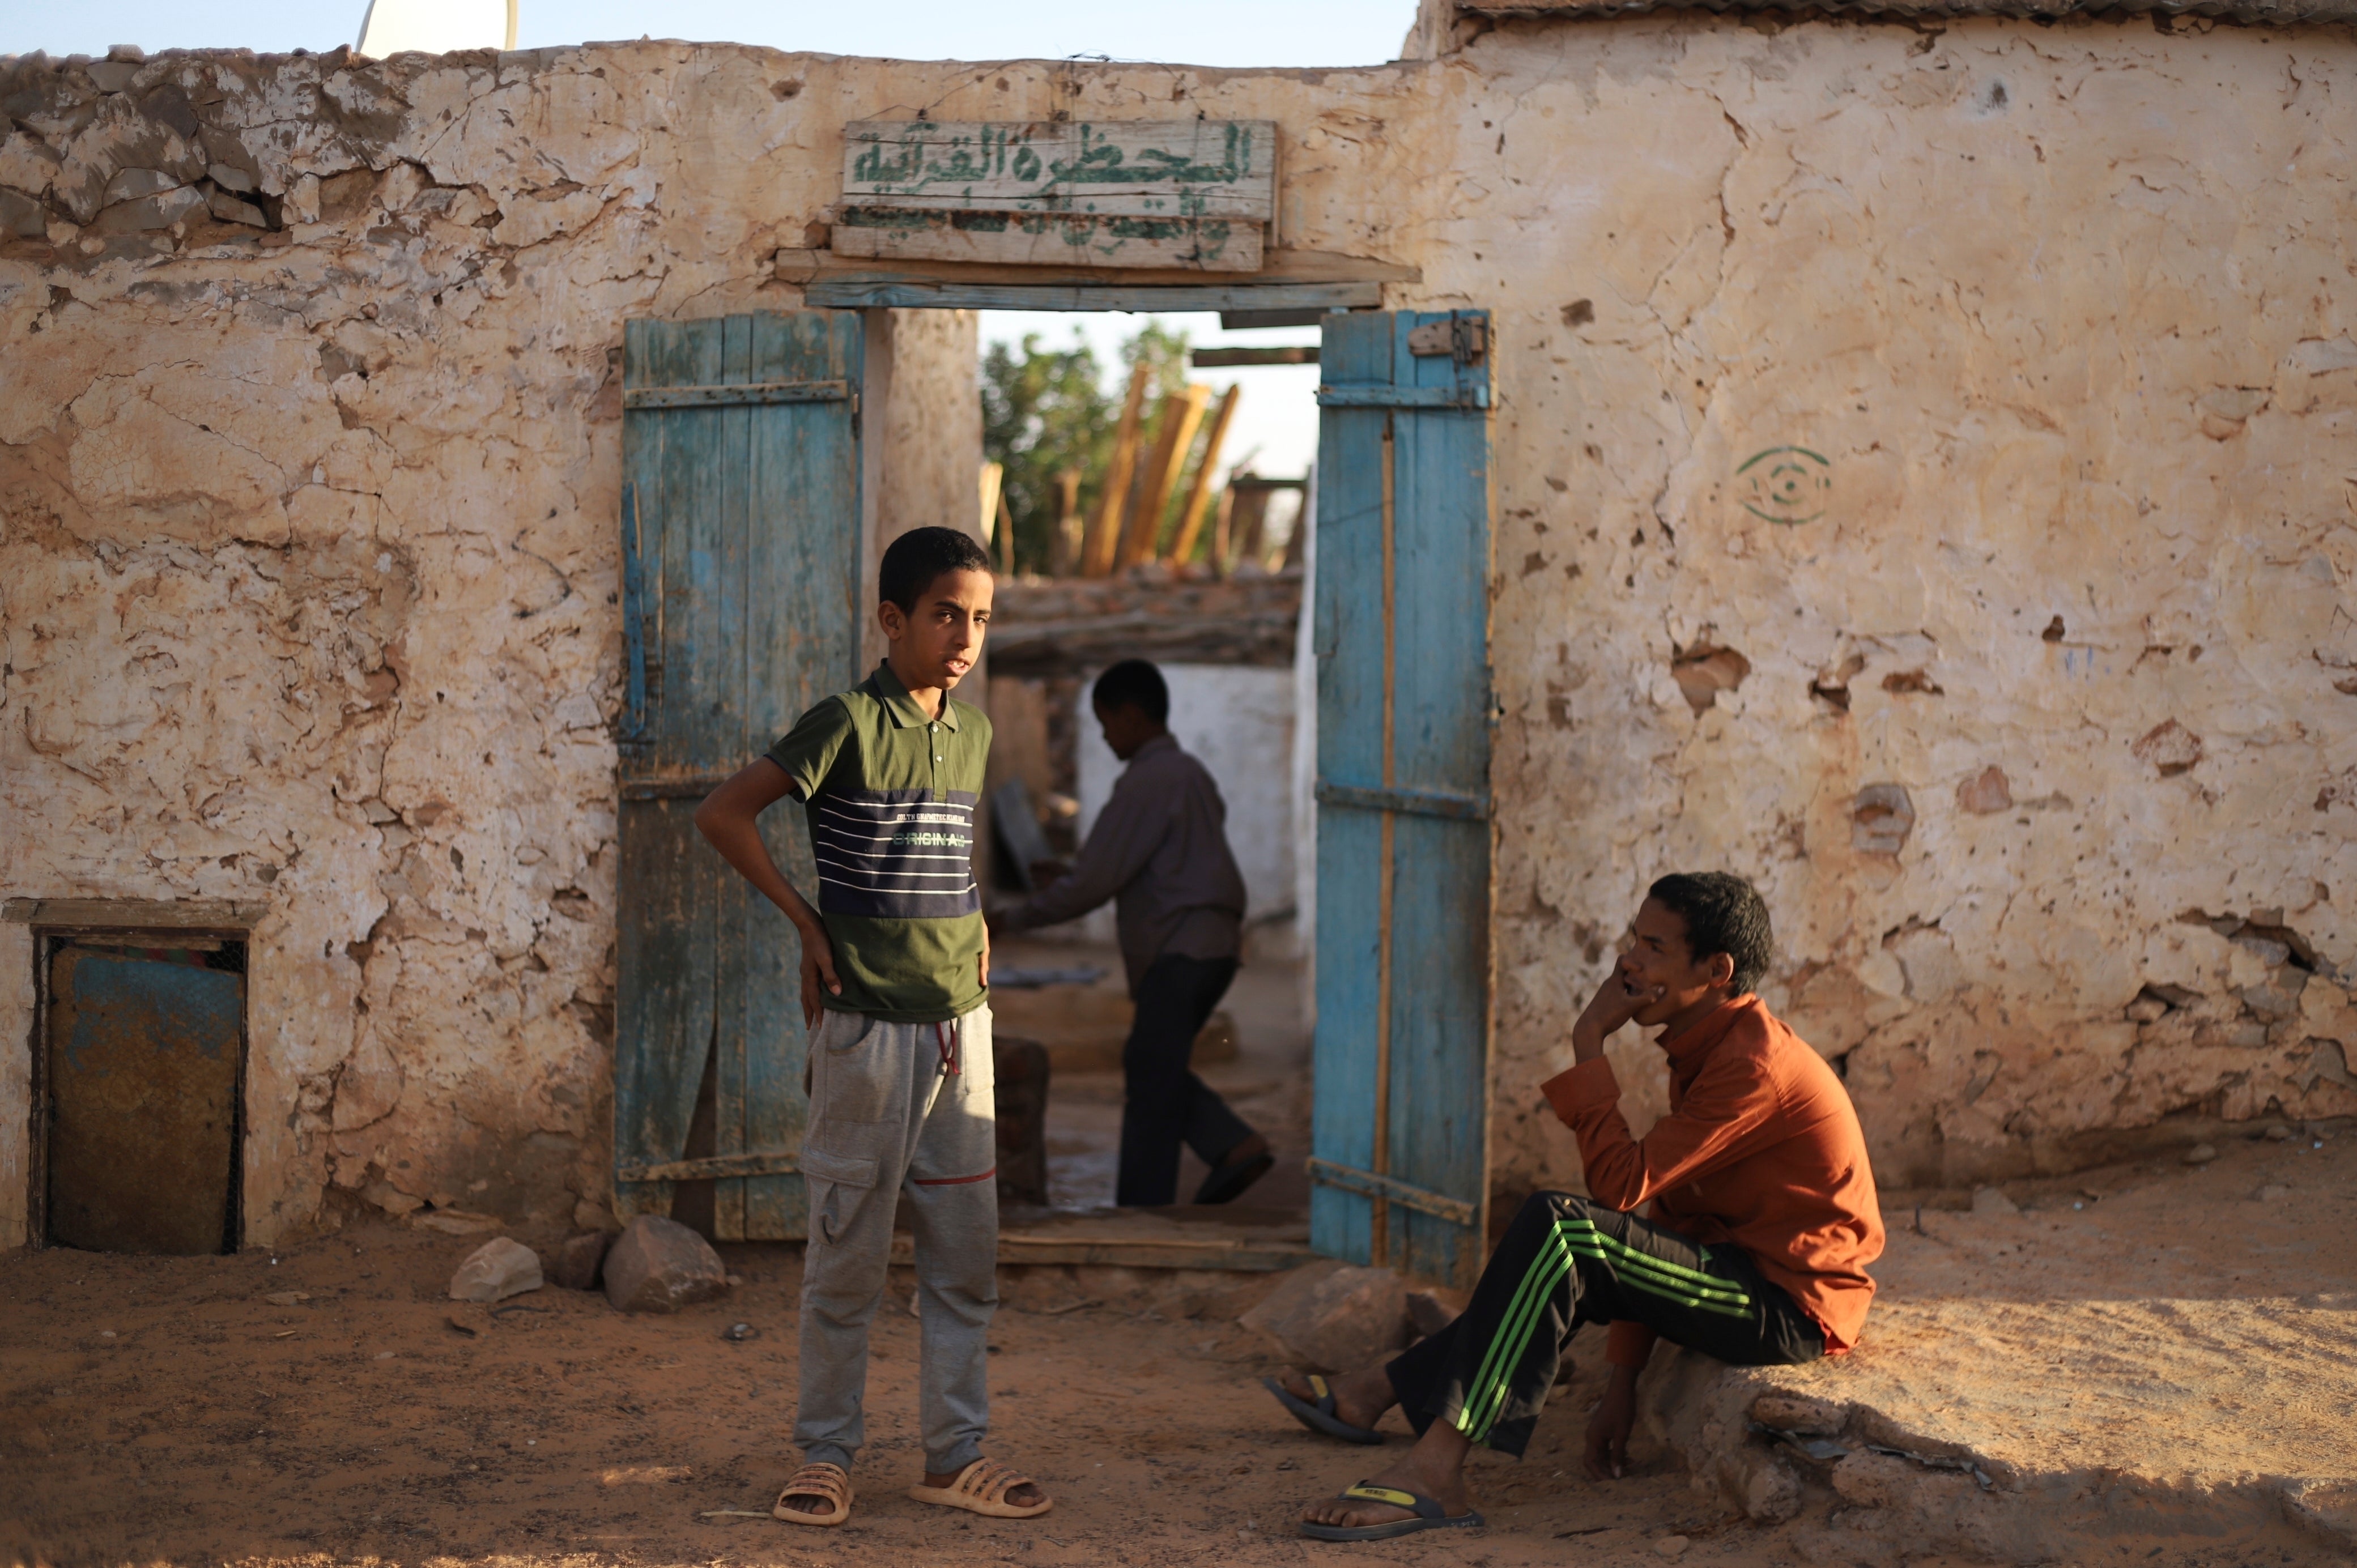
x=809, y=266
x=136, y=914
x=902, y=294
x=1223, y=359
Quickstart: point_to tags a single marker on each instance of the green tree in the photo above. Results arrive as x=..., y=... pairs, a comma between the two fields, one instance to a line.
x=1046, y=410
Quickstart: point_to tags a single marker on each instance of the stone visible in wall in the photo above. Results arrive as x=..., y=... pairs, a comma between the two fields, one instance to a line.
x=1703, y=669
x=1985, y=792
x=2225, y=411
x=148, y=213
x=21, y=215
x=1881, y=818
x=230, y=210
x=2169, y=746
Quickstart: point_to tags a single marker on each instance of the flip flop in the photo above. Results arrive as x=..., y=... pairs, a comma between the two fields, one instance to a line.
x=819, y=1480
x=1320, y=1417
x=1228, y=1183
x=982, y=1487
x=1429, y=1515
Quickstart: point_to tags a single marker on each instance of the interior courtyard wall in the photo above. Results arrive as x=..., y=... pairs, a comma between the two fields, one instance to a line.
x=310, y=574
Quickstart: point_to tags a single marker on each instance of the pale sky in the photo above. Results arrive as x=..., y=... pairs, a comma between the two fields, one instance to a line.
x=1201, y=32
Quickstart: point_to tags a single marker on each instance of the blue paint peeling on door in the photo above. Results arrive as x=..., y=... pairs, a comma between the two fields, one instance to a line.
x=1400, y=1125
x=741, y=571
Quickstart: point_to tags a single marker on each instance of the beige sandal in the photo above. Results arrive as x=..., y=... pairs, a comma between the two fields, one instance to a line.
x=819, y=1480
x=982, y=1487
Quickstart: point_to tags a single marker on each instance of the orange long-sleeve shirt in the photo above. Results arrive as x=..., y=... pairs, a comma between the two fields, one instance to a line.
x=1761, y=1148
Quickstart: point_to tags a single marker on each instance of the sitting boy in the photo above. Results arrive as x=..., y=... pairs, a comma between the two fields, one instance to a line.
x=1764, y=1219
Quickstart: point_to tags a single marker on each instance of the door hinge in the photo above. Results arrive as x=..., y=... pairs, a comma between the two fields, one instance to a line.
x=1462, y=338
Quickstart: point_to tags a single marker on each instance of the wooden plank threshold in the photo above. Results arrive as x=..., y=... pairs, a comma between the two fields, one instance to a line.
x=1254, y=1241
x=1279, y=267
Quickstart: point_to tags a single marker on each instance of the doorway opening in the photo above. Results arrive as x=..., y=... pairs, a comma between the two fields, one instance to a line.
x=1146, y=489
x=139, y=1089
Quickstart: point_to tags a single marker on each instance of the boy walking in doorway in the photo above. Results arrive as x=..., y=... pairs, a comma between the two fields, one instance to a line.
x=1159, y=850
x=895, y=976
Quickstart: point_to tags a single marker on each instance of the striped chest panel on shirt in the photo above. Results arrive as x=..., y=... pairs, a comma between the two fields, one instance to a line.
x=895, y=853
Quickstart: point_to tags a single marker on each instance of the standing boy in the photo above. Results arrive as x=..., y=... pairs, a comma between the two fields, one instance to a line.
x=1159, y=850
x=895, y=971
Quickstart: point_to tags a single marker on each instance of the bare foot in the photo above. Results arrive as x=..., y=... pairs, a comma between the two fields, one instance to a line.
x=1360, y=1398
x=1434, y=1467
x=1022, y=1497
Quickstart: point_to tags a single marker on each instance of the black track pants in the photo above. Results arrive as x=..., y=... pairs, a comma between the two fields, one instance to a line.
x=1564, y=1261
x=1164, y=1103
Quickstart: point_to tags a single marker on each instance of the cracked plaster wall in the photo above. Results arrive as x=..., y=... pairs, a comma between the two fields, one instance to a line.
x=309, y=566
x=2040, y=734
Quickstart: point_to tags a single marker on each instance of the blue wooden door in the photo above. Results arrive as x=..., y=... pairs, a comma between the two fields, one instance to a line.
x=1400, y=1129
x=740, y=588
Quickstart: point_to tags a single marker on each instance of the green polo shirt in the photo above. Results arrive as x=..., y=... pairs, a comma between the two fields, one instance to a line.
x=890, y=793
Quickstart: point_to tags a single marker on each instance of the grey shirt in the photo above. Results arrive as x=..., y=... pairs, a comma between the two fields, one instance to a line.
x=1160, y=852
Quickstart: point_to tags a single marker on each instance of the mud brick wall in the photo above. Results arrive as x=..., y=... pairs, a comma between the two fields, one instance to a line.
x=1925, y=488
x=1922, y=480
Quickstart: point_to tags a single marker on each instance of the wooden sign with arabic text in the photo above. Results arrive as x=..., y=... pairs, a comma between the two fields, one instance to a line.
x=1181, y=193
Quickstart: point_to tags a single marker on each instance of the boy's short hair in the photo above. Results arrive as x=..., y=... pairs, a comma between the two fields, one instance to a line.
x=912, y=561
x=1723, y=913
x=1133, y=682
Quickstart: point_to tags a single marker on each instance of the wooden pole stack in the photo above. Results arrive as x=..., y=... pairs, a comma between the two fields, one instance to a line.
x=1099, y=545
x=1183, y=412
x=1064, y=548
x=1199, y=495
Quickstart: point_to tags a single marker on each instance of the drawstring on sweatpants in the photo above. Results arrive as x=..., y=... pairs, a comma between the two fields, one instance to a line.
x=951, y=1048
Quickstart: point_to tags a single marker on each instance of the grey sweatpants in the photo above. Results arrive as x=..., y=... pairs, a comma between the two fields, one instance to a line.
x=889, y=1117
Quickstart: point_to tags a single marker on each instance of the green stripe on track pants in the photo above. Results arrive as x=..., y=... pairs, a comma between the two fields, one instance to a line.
x=1566, y=1262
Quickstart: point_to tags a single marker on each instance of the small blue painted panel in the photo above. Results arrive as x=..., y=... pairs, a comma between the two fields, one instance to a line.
x=143, y=1069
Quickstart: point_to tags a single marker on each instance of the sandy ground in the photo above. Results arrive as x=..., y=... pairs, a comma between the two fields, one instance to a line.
x=161, y=1410
x=2158, y=1320
x=164, y=1411
x=2180, y=1337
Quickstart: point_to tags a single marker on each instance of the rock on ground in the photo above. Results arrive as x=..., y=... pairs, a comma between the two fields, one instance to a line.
x=495, y=1271
x=660, y=1265
x=578, y=1261
x=2129, y=1350
x=1434, y=1308
x=1335, y=1319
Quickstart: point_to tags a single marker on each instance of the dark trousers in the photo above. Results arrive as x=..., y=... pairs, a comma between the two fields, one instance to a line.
x=1567, y=1260
x=1165, y=1104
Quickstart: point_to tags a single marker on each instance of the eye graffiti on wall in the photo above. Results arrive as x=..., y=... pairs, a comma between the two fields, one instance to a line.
x=1785, y=484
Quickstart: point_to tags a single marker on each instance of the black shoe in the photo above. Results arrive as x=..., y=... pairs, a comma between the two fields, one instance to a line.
x=1228, y=1183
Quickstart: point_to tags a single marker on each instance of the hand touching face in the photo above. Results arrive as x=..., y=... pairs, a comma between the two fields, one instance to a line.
x=1658, y=975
